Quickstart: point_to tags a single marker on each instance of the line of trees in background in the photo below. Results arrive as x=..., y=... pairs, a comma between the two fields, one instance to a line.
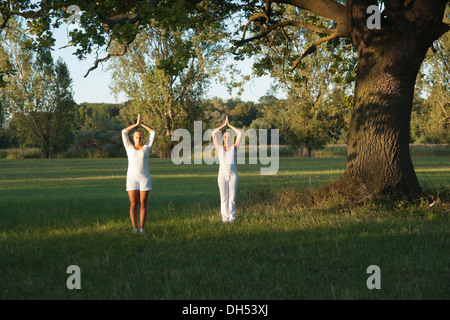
x=166, y=81
x=93, y=129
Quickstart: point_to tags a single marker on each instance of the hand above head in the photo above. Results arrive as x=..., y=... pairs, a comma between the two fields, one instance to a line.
x=138, y=122
x=238, y=132
x=228, y=123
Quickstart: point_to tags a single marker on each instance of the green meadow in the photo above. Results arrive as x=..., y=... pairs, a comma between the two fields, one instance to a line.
x=61, y=212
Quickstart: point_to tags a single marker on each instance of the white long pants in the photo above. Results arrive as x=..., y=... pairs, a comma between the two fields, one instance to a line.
x=228, y=189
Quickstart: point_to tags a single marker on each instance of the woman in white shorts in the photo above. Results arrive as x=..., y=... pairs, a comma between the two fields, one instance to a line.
x=138, y=175
x=228, y=176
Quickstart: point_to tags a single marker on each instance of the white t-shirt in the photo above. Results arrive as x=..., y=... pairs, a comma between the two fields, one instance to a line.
x=137, y=159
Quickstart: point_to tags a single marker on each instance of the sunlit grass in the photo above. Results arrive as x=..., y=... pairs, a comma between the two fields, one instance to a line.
x=55, y=213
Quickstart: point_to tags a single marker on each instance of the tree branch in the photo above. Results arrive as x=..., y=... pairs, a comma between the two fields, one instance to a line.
x=324, y=8
x=6, y=15
x=254, y=17
x=109, y=22
x=313, y=48
x=109, y=55
x=283, y=24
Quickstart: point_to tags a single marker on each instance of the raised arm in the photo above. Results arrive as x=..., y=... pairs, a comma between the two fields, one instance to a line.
x=219, y=128
x=152, y=132
x=125, y=138
x=147, y=127
x=137, y=124
x=238, y=133
x=214, y=134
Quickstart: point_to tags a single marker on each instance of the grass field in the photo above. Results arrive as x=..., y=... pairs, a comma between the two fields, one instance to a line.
x=61, y=212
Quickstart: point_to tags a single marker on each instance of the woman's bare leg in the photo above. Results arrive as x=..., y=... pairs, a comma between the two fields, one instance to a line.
x=134, y=200
x=143, y=212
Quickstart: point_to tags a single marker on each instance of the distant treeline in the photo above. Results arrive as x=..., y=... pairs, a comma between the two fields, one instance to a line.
x=94, y=131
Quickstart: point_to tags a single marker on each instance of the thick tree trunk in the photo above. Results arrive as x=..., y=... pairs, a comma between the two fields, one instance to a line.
x=378, y=157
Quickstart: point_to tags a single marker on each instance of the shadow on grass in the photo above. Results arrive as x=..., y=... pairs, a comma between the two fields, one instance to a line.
x=273, y=256
x=281, y=247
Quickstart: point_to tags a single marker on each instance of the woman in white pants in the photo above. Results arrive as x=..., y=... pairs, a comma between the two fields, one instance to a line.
x=228, y=176
x=138, y=175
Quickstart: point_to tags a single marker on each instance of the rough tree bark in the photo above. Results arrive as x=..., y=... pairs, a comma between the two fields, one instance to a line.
x=378, y=157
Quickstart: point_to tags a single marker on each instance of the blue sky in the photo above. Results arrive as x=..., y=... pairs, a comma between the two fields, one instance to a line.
x=95, y=87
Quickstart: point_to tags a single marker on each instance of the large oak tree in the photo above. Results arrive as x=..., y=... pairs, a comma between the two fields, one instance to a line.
x=389, y=58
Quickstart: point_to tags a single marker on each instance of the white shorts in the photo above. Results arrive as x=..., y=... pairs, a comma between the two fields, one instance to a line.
x=142, y=183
